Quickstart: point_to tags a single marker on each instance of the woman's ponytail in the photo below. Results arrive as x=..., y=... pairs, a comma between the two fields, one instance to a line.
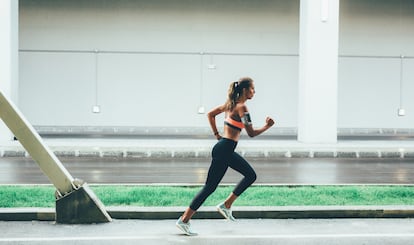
x=235, y=91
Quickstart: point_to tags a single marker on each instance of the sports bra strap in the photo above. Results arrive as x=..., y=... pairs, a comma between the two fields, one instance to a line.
x=235, y=123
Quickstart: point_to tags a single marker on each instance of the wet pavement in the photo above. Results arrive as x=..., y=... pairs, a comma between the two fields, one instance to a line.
x=284, y=171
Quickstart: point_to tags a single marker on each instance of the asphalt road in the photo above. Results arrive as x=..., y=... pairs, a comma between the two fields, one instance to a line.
x=21, y=170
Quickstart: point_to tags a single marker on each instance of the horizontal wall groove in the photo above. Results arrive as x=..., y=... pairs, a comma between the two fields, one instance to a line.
x=202, y=53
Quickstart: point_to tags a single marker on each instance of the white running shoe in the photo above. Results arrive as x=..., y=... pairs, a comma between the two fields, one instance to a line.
x=226, y=212
x=185, y=227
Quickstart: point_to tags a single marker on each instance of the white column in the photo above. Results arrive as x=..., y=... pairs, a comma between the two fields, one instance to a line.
x=318, y=71
x=8, y=57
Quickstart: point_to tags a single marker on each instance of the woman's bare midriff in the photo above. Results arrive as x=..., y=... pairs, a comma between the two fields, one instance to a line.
x=230, y=133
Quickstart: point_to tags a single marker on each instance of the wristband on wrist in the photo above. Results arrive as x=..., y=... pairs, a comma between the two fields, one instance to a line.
x=216, y=133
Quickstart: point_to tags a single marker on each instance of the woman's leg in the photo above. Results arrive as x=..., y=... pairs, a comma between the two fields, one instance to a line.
x=221, y=153
x=215, y=174
x=239, y=164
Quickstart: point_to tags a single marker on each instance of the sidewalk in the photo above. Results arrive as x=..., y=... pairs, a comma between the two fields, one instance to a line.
x=201, y=148
x=217, y=231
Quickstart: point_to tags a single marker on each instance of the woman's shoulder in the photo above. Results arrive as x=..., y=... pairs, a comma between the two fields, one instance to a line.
x=241, y=107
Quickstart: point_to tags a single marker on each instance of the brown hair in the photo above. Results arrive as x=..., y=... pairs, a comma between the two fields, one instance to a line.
x=236, y=91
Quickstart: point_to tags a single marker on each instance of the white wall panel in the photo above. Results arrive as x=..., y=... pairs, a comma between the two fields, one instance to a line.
x=57, y=88
x=369, y=93
x=376, y=27
x=148, y=90
x=373, y=34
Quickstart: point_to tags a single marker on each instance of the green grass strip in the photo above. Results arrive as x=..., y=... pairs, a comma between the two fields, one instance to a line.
x=43, y=196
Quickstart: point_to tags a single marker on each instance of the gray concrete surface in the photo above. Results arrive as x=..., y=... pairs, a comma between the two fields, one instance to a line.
x=209, y=212
x=244, y=231
x=193, y=171
x=201, y=148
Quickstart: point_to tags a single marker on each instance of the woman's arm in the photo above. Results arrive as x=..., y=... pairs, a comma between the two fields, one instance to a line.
x=252, y=132
x=211, y=115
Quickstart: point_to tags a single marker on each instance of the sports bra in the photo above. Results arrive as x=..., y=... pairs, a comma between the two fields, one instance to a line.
x=233, y=123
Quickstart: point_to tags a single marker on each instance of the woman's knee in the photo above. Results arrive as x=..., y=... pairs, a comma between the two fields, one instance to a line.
x=252, y=177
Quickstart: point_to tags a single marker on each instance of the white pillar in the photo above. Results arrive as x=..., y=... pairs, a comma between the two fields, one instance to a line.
x=8, y=57
x=318, y=71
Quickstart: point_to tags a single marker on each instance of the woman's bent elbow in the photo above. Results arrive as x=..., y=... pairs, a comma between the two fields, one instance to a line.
x=251, y=135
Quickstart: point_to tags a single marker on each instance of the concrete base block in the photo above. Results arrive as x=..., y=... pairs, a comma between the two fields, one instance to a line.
x=81, y=206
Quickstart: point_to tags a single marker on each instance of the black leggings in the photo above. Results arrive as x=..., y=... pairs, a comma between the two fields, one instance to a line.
x=223, y=157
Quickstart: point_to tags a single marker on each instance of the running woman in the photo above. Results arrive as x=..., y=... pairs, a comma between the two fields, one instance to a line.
x=237, y=117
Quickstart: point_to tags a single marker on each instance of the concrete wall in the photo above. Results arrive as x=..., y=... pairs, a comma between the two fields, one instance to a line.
x=152, y=68
x=8, y=59
x=378, y=31
x=159, y=60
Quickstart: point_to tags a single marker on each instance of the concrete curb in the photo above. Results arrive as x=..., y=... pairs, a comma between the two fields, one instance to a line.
x=289, y=212
x=140, y=153
x=162, y=148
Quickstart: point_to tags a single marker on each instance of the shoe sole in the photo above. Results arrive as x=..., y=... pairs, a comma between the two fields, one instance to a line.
x=185, y=233
x=222, y=213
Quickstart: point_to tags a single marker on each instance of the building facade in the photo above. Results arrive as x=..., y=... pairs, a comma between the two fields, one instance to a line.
x=159, y=64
